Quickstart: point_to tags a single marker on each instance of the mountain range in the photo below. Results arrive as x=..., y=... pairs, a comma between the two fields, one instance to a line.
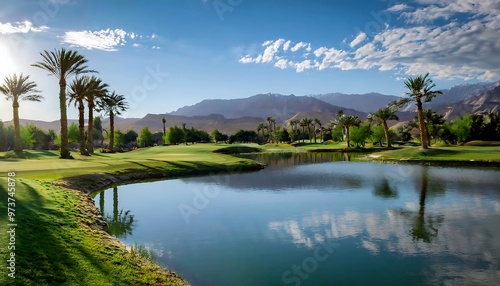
x=230, y=115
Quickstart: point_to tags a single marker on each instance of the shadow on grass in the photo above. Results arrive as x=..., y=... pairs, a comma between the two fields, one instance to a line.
x=47, y=253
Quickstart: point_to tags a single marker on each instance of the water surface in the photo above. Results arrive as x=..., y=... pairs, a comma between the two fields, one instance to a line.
x=322, y=223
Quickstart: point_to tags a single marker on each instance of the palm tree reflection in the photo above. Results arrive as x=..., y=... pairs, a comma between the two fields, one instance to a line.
x=120, y=223
x=385, y=190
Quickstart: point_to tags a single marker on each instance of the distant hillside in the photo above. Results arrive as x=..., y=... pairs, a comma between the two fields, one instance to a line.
x=485, y=102
x=368, y=102
x=456, y=94
x=207, y=123
x=278, y=106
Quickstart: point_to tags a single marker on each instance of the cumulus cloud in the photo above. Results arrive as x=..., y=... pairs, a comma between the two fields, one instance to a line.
x=105, y=40
x=463, y=44
x=358, y=40
x=20, y=27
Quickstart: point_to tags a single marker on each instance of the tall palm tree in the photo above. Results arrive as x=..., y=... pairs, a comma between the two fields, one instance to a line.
x=86, y=88
x=163, y=121
x=98, y=89
x=382, y=116
x=78, y=90
x=62, y=64
x=112, y=104
x=316, y=122
x=346, y=122
x=19, y=88
x=420, y=88
x=304, y=123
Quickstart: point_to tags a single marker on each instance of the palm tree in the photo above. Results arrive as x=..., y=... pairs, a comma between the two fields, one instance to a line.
x=98, y=89
x=261, y=127
x=19, y=89
x=306, y=123
x=270, y=120
x=163, y=121
x=316, y=122
x=112, y=104
x=62, y=64
x=339, y=113
x=346, y=122
x=86, y=88
x=78, y=90
x=382, y=116
x=420, y=88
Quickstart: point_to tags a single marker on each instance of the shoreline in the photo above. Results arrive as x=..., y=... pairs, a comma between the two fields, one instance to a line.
x=86, y=185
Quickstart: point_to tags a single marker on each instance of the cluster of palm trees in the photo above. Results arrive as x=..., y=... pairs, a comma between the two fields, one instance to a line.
x=64, y=64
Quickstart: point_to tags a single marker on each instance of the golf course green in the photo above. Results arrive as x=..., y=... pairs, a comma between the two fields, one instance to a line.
x=59, y=236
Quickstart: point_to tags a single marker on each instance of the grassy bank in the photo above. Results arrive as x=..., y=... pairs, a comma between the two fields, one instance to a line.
x=456, y=155
x=59, y=240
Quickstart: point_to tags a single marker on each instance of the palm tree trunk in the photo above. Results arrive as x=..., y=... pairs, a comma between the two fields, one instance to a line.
x=111, y=130
x=387, y=136
x=90, y=130
x=81, y=128
x=421, y=123
x=427, y=134
x=18, y=144
x=314, y=133
x=65, y=153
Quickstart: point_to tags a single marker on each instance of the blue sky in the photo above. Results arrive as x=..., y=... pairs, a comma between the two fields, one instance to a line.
x=163, y=55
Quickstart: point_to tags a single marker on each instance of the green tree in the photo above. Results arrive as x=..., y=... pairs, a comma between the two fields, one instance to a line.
x=73, y=133
x=462, y=127
x=146, y=138
x=382, y=116
x=175, y=135
x=112, y=104
x=62, y=64
x=97, y=130
x=420, y=88
x=130, y=138
x=378, y=134
x=218, y=136
x=119, y=138
x=19, y=88
x=359, y=134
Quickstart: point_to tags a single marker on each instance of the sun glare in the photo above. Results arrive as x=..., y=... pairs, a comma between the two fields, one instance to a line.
x=7, y=62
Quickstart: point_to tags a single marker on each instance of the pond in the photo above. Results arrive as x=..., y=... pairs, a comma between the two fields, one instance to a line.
x=318, y=219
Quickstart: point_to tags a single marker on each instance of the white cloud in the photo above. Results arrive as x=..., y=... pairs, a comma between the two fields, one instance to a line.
x=155, y=48
x=301, y=45
x=281, y=63
x=20, y=27
x=271, y=50
x=286, y=46
x=358, y=40
x=106, y=40
x=398, y=8
x=465, y=47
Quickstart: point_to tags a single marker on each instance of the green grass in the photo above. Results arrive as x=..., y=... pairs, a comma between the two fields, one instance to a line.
x=57, y=239
x=456, y=153
x=57, y=242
